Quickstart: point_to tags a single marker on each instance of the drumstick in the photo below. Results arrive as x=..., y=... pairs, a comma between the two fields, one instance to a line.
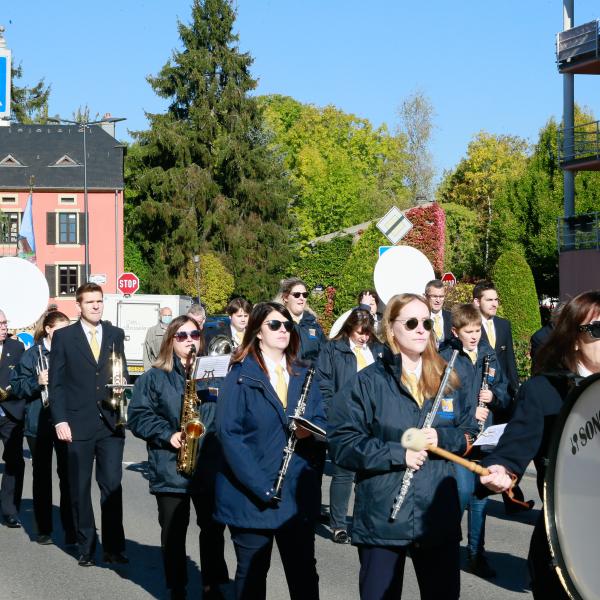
x=414, y=439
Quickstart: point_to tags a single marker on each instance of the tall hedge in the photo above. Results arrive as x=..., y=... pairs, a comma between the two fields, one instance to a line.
x=516, y=289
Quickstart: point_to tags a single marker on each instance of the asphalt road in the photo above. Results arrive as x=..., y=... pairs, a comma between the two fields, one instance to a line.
x=29, y=571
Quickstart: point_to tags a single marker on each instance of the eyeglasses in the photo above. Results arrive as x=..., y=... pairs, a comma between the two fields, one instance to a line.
x=275, y=325
x=434, y=297
x=413, y=323
x=3, y=323
x=182, y=336
x=592, y=328
x=298, y=294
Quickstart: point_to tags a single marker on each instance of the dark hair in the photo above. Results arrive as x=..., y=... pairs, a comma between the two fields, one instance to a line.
x=482, y=286
x=360, y=319
x=465, y=314
x=164, y=360
x=49, y=320
x=236, y=304
x=251, y=343
x=559, y=351
x=438, y=284
x=371, y=292
x=85, y=288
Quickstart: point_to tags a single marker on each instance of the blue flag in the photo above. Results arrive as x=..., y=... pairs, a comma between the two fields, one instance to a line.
x=26, y=242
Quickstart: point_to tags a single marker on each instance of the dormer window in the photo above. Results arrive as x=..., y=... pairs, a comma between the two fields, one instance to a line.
x=10, y=161
x=65, y=161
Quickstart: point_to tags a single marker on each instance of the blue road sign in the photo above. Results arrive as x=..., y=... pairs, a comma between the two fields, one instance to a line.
x=4, y=83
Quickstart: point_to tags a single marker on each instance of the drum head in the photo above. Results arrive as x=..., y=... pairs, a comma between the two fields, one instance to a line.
x=572, y=491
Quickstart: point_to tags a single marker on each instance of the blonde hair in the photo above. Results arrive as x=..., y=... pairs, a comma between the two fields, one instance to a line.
x=164, y=360
x=433, y=364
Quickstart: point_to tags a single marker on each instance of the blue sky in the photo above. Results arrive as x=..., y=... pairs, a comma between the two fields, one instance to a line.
x=484, y=65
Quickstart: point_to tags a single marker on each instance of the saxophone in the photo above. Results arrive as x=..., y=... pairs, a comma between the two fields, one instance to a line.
x=192, y=428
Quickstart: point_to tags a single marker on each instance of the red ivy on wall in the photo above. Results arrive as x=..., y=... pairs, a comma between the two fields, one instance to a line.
x=428, y=233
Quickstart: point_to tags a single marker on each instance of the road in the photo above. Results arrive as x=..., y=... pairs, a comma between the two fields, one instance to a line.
x=29, y=571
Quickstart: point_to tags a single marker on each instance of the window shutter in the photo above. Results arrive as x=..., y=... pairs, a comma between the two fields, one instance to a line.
x=81, y=238
x=50, y=273
x=51, y=229
x=81, y=276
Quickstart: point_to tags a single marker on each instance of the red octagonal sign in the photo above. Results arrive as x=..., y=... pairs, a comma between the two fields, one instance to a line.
x=128, y=283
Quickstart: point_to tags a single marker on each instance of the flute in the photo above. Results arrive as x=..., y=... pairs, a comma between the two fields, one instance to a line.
x=484, y=386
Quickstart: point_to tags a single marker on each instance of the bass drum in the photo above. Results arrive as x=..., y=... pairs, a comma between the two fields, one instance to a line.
x=572, y=492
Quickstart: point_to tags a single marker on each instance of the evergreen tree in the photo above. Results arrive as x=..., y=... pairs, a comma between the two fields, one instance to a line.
x=204, y=177
x=28, y=104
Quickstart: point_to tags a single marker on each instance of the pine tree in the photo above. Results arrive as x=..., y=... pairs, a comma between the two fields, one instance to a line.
x=28, y=104
x=203, y=177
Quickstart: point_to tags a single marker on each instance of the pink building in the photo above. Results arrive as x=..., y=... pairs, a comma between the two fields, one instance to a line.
x=49, y=160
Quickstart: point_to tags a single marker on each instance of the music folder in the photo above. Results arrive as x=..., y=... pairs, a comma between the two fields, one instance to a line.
x=210, y=367
x=318, y=432
x=491, y=436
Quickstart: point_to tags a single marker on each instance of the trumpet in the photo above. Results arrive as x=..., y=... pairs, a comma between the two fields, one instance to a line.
x=43, y=364
x=117, y=387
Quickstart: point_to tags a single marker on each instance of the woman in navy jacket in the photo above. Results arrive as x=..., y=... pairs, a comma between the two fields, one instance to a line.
x=154, y=415
x=354, y=348
x=366, y=422
x=260, y=395
x=27, y=383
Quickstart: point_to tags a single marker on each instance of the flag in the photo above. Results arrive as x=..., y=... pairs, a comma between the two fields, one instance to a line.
x=26, y=241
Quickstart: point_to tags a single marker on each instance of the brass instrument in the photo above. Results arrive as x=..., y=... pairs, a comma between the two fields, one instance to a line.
x=5, y=393
x=43, y=364
x=192, y=428
x=220, y=345
x=117, y=387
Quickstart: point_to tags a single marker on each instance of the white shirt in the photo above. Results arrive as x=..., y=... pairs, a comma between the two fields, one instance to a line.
x=2, y=413
x=366, y=352
x=234, y=336
x=583, y=371
x=88, y=332
x=271, y=370
x=418, y=370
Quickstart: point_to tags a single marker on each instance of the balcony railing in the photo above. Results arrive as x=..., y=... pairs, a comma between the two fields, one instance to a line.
x=580, y=43
x=580, y=232
x=584, y=144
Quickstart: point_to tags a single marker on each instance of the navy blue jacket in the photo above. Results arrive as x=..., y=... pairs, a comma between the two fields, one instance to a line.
x=366, y=422
x=505, y=352
x=311, y=337
x=336, y=366
x=154, y=414
x=12, y=350
x=471, y=378
x=24, y=383
x=253, y=430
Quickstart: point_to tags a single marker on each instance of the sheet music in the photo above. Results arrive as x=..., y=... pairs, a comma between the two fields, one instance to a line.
x=491, y=436
x=209, y=367
x=318, y=433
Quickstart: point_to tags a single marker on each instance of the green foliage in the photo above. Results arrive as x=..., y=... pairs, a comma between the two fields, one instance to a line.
x=463, y=242
x=461, y=293
x=216, y=282
x=345, y=171
x=522, y=358
x=28, y=104
x=135, y=263
x=204, y=177
x=516, y=288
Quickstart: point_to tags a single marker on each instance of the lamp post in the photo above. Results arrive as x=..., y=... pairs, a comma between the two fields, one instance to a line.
x=84, y=126
x=196, y=259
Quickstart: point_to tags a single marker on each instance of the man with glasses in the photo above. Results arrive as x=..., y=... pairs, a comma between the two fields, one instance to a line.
x=435, y=292
x=12, y=410
x=80, y=369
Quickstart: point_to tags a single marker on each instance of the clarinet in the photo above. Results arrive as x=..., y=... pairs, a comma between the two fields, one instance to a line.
x=290, y=447
x=484, y=386
x=409, y=473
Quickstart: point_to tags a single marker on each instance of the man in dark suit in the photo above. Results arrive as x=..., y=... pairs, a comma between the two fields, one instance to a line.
x=435, y=292
x=80, y=369
x=11, y=430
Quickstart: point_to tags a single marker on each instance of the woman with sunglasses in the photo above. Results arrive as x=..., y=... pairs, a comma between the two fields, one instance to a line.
x=366, y=421
x=293, y=295
x=353, y=348
x=570, y=353
x=154, y=415
x=260, y=395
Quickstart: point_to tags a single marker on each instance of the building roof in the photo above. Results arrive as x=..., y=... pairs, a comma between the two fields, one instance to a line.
x=53, y=154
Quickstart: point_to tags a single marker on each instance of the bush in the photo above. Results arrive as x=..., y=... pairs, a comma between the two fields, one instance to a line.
x=463, y=241
x=134, y=263
x=428, y=233
x=461, y=293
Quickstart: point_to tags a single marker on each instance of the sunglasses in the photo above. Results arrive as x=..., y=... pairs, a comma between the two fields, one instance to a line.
x=182, y=336
x=592, y=328
x=413, y=323
x=298, y=294
x=275, y=325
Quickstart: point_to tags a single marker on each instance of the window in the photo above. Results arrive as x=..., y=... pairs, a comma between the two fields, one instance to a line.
x=66, y=200
x=8, y=200
x=9, y=227
x=67, y=279
x=10, y=161
x=67, y=228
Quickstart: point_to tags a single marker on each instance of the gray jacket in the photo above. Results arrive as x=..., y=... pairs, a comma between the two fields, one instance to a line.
x=154, y=338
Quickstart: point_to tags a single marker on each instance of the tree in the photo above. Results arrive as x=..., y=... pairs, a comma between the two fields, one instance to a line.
x=28, y=104
x=416, y=115
x=216, y=282
x=204, y=177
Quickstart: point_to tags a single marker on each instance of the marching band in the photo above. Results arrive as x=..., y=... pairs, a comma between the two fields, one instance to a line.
x=248, y=451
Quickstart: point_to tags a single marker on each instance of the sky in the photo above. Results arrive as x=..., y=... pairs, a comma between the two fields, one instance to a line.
x=484, y=65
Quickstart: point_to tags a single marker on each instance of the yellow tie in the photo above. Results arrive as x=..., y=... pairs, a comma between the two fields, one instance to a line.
x=281, y=386
x=94, y=343
x=413, y=385
x=240, y=337
x=472, y=355
x=361, y=361
x=437, y=326
x=491, y=333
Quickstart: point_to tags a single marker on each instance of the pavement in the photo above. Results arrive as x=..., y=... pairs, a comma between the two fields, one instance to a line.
x=29, y=571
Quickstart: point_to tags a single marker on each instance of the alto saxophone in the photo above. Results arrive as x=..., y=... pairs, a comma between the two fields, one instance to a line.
x=192, y=428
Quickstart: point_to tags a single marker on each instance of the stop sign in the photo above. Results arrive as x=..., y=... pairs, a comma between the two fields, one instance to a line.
x=128, y=283
x=449, y=279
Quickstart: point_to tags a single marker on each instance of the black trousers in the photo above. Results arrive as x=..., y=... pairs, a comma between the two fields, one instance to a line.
x=41, y=447
x=11, y=488
x=174, y=518
x=106, y=448
x=296, y=543
x=382, y=571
